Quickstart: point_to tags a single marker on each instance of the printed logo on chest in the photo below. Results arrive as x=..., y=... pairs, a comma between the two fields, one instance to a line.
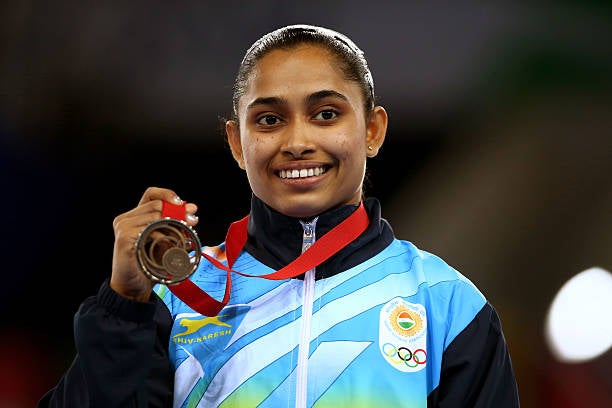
x=402, y=335
x=192, y=333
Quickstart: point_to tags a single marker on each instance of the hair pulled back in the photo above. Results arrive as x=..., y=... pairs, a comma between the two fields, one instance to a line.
x=351, y=59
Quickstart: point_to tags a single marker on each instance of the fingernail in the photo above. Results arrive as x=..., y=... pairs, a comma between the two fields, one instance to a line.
x=191, y=217
x=177, y=200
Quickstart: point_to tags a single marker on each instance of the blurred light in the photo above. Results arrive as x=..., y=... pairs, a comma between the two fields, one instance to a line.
x=579, y=322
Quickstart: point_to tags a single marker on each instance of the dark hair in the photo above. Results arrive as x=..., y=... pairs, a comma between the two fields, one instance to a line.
x=352, y=60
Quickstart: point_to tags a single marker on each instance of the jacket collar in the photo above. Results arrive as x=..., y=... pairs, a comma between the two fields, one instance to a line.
x=276, y=239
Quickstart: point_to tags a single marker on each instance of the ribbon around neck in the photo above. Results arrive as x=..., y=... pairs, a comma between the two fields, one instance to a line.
x=322, y=249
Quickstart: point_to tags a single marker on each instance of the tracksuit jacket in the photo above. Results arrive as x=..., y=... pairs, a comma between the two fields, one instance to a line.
x=379, y=324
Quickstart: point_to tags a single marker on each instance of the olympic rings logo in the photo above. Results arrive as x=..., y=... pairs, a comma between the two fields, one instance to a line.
x=404, y=355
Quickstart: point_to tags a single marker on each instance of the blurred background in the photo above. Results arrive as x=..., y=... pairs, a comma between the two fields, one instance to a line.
x=498, y=156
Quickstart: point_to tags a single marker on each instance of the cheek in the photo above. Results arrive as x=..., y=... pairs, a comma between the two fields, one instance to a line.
x=254, y=151
x=348, y=147
x=250, y=156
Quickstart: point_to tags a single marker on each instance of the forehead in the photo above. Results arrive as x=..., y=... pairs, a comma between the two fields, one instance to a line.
x=302, y=69
x=300, y=65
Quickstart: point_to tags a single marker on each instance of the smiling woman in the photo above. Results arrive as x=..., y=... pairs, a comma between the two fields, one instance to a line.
x=326, y=305
x=299, y=112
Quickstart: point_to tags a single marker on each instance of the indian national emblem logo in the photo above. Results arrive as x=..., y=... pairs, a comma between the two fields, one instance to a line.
x=405, y=322
x=402, y=339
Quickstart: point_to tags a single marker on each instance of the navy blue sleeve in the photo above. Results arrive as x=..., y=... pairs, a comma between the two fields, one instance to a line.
x=476, y=368
x=122, y=355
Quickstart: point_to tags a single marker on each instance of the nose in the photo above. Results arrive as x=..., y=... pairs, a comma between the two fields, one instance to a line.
x=297, y=141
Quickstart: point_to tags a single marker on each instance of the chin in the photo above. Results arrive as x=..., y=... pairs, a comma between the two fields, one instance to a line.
x=302, y=213
x=302, y=209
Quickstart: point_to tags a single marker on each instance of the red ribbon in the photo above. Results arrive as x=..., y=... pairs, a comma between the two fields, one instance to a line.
x=323, y=248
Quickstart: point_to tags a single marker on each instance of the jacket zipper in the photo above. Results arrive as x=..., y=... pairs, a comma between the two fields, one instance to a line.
x=301, y=394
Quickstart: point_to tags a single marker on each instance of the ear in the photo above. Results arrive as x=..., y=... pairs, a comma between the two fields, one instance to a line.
x=233, y=137
x=376, y=130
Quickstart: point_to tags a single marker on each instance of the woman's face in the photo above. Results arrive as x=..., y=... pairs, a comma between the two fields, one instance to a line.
x=303, y=136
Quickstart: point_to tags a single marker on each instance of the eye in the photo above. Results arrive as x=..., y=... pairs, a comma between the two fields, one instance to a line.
x=268, y=120
x=327, y=114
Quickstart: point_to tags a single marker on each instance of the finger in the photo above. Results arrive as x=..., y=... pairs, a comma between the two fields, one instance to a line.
x=163, y=194
x=149, y=211
x=190, y=214
x=138, y=218
x=191, y=208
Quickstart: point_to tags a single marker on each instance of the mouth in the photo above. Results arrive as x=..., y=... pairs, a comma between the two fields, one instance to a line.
x=302, y=173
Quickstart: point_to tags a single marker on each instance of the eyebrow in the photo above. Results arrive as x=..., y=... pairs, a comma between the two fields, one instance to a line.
x=312, y=98
x=317, y=96
x=270, y=100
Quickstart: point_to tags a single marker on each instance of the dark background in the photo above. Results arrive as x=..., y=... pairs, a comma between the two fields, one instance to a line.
x=498, y=156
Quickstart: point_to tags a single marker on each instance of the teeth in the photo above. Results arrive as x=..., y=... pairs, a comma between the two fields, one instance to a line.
x=302, y=173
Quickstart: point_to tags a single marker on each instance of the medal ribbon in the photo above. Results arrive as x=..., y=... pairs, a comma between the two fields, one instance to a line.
x=336, y=239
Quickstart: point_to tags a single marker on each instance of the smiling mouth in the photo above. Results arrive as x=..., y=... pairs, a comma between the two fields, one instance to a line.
x=302, y=173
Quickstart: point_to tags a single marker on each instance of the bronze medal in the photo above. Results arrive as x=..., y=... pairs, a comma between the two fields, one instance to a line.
x=177, y=262
x=168, y=251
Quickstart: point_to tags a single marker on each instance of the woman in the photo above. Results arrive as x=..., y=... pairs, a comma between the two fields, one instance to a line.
x=363, y=320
